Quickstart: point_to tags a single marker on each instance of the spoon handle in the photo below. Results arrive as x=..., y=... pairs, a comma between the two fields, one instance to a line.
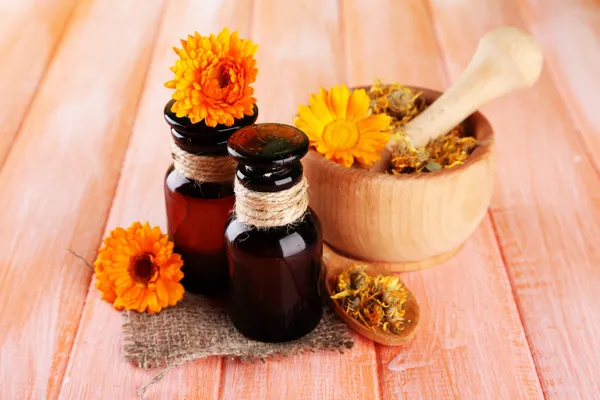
x=506, y=59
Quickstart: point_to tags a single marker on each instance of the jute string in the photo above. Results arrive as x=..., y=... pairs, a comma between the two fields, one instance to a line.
x=199, y=327
x=266, y=209
x=203, y=168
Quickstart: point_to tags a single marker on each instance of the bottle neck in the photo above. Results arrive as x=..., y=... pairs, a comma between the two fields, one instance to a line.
x=202, y=168
x=213, y=146
x=264, y=209
x=269, y=179
x=200, y=139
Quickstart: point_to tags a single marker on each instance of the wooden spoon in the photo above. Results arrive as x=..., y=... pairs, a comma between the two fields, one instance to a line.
x=334, y=265
x=506, y=59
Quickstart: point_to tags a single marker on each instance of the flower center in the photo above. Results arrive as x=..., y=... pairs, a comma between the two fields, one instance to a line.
x=224, y=78
x=341, y=135
x=142, y=268
x=220, y=81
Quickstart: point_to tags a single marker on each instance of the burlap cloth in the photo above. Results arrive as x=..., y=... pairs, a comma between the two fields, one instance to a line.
x=198, y=327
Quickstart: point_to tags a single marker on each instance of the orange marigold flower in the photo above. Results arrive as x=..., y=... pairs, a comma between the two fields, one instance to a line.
x=339, y=126
x=213, y=77
x=136, y=269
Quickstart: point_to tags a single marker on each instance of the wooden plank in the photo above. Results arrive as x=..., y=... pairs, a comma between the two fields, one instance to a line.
x=546, y=209
x=29, y=35
x=58, y=183
x=470, y=343
x=569, y=32
x=97, y=351
x=393, y=42
x=300, y=50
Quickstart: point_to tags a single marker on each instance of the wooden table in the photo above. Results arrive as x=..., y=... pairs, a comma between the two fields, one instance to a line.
x=84, y=148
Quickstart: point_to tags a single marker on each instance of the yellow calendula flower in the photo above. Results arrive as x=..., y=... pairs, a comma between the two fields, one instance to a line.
x=212, y=78
x=136, y=269
x=339, y=126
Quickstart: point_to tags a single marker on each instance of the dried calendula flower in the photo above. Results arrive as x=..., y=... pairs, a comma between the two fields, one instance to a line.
x=403, y=104
x=399, y=102
x=450, y=150
x=375, y=301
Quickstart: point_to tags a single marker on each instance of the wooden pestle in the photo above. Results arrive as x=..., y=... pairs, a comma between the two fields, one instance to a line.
x=506, y=59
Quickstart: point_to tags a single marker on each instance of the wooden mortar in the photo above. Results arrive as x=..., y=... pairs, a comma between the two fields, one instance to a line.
x=412, y=221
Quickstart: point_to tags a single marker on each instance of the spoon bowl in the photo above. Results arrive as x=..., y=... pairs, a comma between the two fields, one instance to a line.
x=334, y=265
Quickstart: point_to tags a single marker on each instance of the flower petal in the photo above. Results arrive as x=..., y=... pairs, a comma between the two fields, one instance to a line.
x=318, y=105
x=374, y=123
x=311, y=125
x=358, y=105
x=339, y=96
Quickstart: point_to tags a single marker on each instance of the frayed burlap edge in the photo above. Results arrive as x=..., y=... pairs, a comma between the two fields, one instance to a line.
x=199, y=327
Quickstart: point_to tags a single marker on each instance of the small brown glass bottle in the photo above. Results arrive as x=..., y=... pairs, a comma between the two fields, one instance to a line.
x=199, y=204
x=273, y=240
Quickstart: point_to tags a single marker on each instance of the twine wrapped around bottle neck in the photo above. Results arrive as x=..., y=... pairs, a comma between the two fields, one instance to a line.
x=271, y=209
x=203, y=168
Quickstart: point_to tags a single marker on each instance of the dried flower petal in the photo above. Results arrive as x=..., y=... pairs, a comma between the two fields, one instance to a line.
x=433, y=166
x=403, y=104
x=375, y=301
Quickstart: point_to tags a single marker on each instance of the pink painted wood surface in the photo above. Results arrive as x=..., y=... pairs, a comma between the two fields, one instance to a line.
x=546, y=210
x=30, y=32
x=142, y=178
x=57, y=187
x=569, y=33
x=470, y=325
x=526, y=280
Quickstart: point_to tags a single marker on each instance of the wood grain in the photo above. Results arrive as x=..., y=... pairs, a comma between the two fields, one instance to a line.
x=569, y=32
x=140, y=197
x=58, y=183
x=300, y=50
x=546, y=210
x=470, y=343
x=30, y=32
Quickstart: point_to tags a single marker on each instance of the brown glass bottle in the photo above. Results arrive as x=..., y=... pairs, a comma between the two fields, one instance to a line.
x=275, y=272
x=198, y=211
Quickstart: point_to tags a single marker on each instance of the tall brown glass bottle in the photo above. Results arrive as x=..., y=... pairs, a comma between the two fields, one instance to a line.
x=197, y=211
x=275, y=271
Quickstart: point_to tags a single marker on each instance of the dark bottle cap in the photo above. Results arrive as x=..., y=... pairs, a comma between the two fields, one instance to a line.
x=202, y=139
x=268, y=155
x=268, y=145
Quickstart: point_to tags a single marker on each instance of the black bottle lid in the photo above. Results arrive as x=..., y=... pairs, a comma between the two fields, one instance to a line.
x=201, y=139
x=268, y=145
x=268, y=155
